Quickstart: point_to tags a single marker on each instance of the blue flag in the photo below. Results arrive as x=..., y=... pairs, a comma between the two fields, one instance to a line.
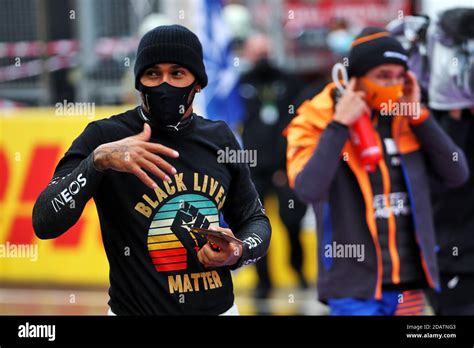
x=221, y=98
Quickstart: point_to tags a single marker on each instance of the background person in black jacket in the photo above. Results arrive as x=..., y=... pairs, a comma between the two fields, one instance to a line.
x=269, y=95
x=447, y=85
x=453, y=211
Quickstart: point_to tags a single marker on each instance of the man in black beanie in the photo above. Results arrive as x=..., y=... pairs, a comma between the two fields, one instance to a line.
x=147, y=205
x=376, y=243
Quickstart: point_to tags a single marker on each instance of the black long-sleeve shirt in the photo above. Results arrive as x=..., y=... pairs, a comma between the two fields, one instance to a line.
x=152, y=256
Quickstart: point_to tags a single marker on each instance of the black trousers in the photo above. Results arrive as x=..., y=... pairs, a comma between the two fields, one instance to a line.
x=456, y=296
x=291, y=212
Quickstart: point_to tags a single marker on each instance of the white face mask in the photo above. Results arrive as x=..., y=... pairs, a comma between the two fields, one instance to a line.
x=339, y=41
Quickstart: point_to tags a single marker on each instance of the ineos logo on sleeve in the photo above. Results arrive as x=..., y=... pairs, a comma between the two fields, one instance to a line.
x=66, y=195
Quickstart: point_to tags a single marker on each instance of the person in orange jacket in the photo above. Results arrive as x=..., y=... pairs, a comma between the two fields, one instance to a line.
x=376, y=241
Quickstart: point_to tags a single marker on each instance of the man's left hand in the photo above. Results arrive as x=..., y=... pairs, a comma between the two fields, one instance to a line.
x=229, y=253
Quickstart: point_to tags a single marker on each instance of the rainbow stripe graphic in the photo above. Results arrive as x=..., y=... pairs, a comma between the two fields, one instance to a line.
x=165, y=248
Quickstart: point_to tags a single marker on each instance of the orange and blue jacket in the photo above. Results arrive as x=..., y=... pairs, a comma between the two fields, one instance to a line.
x=324, y=169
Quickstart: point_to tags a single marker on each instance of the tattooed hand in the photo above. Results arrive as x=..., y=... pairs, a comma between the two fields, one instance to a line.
x=136, y=154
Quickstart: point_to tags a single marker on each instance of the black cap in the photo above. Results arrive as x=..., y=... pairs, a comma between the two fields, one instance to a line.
x=372, y=47
x=171, y=44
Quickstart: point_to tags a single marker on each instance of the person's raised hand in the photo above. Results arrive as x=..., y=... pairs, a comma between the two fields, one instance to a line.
x=136, y=154
x=351, y=105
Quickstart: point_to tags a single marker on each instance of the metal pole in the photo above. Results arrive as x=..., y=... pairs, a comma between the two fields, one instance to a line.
x=276, y=32
x=87, y=57
x=45, y=81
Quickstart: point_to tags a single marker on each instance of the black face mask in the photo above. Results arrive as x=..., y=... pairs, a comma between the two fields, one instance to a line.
x=166, y=104
x=263, y=67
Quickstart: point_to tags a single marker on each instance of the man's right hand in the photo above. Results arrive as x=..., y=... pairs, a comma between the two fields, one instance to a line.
x=136, y=154
x=351, y=105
